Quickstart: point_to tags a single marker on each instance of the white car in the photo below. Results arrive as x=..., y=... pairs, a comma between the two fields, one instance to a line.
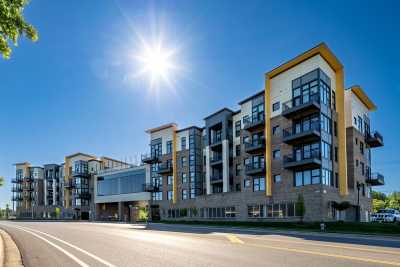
x=386, y=215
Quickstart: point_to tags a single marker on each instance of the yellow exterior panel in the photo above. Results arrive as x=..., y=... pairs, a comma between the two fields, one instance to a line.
x=268, y=162
x=343, y=189
x=359, y=92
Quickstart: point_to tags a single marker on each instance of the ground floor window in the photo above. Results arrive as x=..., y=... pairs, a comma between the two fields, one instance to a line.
x=259, y=184
x=275, y=210
x=220, y=212
x=156, y=195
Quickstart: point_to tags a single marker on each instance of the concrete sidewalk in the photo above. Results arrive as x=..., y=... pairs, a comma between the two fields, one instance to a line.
x=9, y=252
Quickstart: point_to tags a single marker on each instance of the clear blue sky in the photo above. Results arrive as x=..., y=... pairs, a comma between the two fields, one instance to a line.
x=69, y=91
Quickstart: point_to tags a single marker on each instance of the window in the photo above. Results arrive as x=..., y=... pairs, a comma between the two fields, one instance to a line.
x=276, y=106
x=356, y=162
x=246, y=119
x=336, y=154
x=326, y=177
x=184, y=177
x=362, y=167
x=257, y=113
x=360, y=124
x=277, y=178
x=246, y=183
x=259, y=184
x=326, y=150
x=237, y=169
x=255, y=211
x=184, y=194
x=183, y=161
x=355, y=121
x=169, y=147
x=169, y=195
x=275, y=130
x=170, y=180
x=192, y=193
x=157, y=195
x=333, y=100
x=362, y=148
x=183, y=143
x=356, y=141
x=237, y=150
x=326, y=124
x=335, y=128
x=336, y=180
x=238, y=126
x=276, y=154
x=307, y=177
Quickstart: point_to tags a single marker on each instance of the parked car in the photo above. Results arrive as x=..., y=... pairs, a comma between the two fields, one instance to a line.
x=386, y=215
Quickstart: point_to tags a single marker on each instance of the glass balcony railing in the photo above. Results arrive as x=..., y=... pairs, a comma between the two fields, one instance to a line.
x=306, y=158
x=298, y=104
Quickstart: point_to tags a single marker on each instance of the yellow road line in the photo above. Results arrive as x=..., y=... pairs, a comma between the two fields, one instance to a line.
x=392, y=263
x=329, y=245
x=234, y=239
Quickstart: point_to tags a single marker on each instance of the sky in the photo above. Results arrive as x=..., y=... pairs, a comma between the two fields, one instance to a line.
x=81, y=86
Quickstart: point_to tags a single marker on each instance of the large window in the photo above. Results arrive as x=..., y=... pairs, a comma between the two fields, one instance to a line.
x=259, y=184
x=122, y=183
x=170, y=195
x=257, y=113
x=276, y=106
x=156, y=196
x=156, y=149
x=327, y=177
x=307, y=177
x=184, y=178
x=169, y=147
x=325, y=93
x=170, y=180
x=238, y=126
x=304, y=93
x=255, y=211
x=307, y=151
x=184, y=194
x=326, y=124
x=326, y=150
x=183, y=143
x=306, y=124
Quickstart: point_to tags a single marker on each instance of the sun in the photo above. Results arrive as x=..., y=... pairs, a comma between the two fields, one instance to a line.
x=156, y=62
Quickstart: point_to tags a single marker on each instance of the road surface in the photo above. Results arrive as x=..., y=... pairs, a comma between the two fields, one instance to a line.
x=106, y=244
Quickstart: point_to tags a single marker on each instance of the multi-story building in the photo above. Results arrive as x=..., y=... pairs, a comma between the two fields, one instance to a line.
x=28, y=193
x=59, y=191
x=304, y=134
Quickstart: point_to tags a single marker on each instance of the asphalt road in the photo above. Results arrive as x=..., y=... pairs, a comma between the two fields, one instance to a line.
x=103, y=244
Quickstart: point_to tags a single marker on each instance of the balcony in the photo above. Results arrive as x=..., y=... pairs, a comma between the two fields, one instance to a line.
x=255, y=147
x=216, y=179
x=306, y=160
x=16, y=198
x=255, y=123
x=29, y=188
x=216, y=160
x=165, y=168
x=216, y=142
x=69, y=184
x=374, y=139
x=29, y=179
x=17, y=180
x=80, y=173
x=149, y=187
x=298, y=106
x=150, y=158
x=16, y=189
x=293, y=136
x=255, y=169
x=83, y=195
x=376, y=179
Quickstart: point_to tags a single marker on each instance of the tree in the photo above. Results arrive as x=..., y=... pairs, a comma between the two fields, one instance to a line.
x=1, y=181
x=378, y=204
x=300, y=207
x=378, y=195
x=13, y=25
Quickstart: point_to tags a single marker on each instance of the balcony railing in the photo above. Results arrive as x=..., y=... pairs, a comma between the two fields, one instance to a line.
x=150, y=158
x=376, y=179
x=29, y=188
x=255, y=146
x=149, y=187
x=292, y=135
x=216, y=178
x=83, y=173
x=17, y=198
x=294, y=106
x=255, y=168
x=17, y=180
x=254, y=123
x=305, y=159
x=216, y=159
x=69, y=184
x=165, y=168
x=374, y=139
x=83, y=195
x=16, y=189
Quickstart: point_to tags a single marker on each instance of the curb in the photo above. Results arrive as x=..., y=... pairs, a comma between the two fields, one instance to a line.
x=11, y=254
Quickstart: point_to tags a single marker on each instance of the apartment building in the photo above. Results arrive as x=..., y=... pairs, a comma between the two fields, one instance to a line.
x=59, y=191
x=304, y=134
x=27, y=189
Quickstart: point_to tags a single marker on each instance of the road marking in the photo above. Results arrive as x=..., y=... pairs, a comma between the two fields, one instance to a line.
x=78, y=261
x=392, y=263
x=70, y=245
x=328, y=245
x=234, y=239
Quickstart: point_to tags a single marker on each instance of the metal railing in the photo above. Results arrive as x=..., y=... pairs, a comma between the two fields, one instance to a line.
x=316, y=154
x=291, y=131
x=254, y=166
x=254, y=121
x=216, y=177
x=292, y=103
x=216, y=158
x=376, y=135
x=255, y=143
